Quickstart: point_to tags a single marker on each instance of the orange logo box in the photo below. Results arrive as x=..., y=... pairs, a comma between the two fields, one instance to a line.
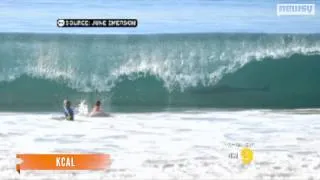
x=63, y=162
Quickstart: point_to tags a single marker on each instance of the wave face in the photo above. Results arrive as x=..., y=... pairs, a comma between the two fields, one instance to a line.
x=175, y=70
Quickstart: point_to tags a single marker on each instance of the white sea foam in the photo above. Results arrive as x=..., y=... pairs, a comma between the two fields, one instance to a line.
x=171, y=145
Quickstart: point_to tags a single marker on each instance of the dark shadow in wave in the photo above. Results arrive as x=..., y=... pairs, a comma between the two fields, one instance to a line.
x=229, y=89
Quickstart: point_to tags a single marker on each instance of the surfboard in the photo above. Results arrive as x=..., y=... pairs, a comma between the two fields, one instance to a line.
x=99, y=114
x=58, y=118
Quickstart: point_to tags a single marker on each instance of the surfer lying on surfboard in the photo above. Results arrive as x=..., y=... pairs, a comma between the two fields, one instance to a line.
x=97, y=110
x=68, y=112
x=97, y=107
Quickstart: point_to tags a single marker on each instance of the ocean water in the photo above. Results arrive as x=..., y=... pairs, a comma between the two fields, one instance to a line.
x=132, y=72
x=180, y=103
x=195, y=82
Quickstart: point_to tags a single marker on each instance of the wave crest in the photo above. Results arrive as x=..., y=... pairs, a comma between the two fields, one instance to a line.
x=97, y=63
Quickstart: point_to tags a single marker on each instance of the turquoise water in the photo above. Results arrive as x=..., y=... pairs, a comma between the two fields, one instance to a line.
x=213, y=70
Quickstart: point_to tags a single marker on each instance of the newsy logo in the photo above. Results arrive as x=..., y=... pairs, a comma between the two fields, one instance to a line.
x=291, y=9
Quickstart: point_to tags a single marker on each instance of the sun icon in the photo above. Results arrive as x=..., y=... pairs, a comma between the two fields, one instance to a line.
x=246, y=155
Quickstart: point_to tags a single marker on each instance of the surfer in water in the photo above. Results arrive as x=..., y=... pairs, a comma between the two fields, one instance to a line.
x=97, y=110
x=68, y=111
x=97, y=107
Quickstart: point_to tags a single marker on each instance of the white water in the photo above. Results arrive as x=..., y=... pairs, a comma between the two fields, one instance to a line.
x=170, y=145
